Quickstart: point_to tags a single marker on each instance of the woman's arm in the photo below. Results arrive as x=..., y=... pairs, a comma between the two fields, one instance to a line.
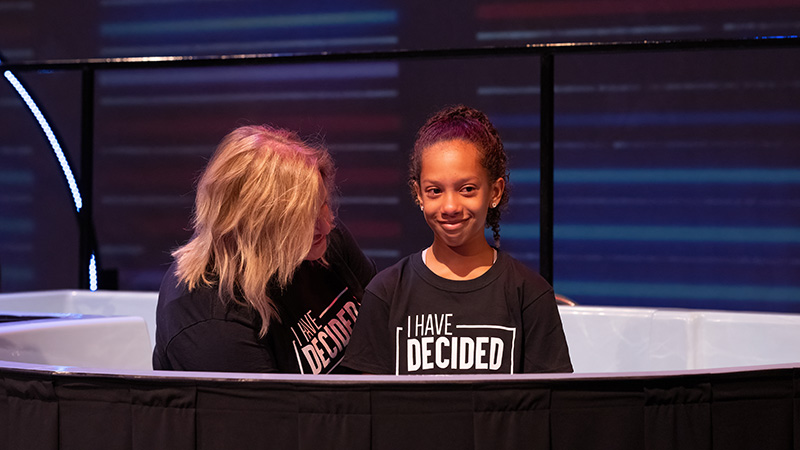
x=216, y=345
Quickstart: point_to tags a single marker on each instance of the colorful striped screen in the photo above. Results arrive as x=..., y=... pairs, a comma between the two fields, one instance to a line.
x=676, y=174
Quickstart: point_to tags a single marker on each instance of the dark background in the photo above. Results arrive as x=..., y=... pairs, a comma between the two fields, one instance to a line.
x=677, y=174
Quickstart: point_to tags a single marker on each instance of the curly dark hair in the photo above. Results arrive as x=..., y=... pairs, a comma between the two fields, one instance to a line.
x=471, y=125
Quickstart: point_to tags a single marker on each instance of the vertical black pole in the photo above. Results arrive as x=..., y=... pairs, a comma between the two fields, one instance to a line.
x=85, y=215
x=546, y=156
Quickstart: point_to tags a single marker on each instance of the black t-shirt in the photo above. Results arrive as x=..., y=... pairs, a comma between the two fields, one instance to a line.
x=319, y=328
x=197, y=331
x=414, y=322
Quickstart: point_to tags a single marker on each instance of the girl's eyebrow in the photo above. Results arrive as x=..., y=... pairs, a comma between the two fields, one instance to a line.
x=459, y=181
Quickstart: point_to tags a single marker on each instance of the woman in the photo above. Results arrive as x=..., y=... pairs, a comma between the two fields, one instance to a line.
x=460, y=305
x=268, y=282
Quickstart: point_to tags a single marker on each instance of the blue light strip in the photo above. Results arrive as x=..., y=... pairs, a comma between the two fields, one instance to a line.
x=752, y=293
x=51, y=137
x=60, y=156
x=649, y=118
x=217, y=75
x=788, y=36
x=367, y=94
x=662, y=176
x=657, y=233
x=92, y=273
x=250, y=23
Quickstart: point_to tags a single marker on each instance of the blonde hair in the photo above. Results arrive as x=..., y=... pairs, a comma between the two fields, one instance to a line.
x=256, y=207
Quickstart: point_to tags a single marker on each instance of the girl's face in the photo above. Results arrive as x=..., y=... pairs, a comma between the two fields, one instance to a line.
x=455, y=193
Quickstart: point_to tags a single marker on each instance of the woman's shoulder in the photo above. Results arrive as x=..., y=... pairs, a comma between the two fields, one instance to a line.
x=340, y=236
x=203, y=302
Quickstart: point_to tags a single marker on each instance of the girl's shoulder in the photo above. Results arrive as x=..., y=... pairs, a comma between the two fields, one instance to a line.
x=401, y=270
x=515, y=270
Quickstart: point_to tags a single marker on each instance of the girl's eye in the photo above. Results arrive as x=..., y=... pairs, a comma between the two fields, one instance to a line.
x=434, y=191
x=469, y=189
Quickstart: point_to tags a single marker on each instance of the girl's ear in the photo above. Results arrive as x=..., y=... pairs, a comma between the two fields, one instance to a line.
x=418, y=194
x=498, y=187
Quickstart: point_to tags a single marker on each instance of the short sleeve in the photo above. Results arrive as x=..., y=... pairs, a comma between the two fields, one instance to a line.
x=545, y=343
x=219, y=346
x=369, y=350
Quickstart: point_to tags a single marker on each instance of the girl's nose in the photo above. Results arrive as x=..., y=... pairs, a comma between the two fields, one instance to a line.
x=451, y=204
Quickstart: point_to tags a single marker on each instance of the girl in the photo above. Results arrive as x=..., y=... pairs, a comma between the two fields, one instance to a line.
x=460, y=305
